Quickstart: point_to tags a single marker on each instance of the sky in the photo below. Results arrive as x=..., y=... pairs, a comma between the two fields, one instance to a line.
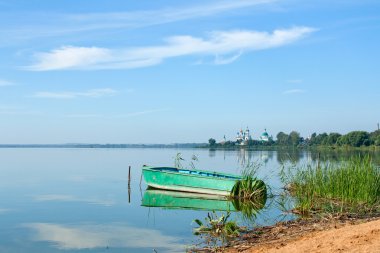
x=92, y=71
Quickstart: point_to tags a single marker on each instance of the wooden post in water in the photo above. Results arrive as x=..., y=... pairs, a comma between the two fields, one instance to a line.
x=129, y=177
x=129, y=184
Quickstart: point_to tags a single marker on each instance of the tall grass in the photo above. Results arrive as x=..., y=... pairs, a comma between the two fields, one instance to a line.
x=249, y=187
x=349, y=186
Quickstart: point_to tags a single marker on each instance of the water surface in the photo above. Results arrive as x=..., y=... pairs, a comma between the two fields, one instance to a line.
x=73, y=200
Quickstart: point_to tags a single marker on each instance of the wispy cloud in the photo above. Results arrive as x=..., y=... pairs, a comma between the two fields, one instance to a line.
x=66, y=24
x=94, y=93
x=133, y=114
x=17, y=110
x=293, y=91
x=84, y=115
x=5, y=83
x=294, y=81
x=126, y=115
x=162, y=16
x=217, y=44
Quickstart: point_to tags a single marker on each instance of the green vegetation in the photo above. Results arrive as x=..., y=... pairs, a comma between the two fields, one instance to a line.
x=354, y=139
x=249, y=187
x=351, y=186
x=178, y=161
x=217, y=231
x=217, y=226
x=249, y=194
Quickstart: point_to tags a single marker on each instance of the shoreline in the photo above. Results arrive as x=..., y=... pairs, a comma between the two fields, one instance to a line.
x=341, y=234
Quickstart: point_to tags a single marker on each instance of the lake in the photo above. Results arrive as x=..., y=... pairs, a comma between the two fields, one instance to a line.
x=74, y=200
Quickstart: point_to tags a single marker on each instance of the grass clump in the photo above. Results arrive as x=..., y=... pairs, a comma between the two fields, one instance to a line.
x=217, y=230
x=249, y=187
x=249, y=194
x=217, y=225
x=351, y=186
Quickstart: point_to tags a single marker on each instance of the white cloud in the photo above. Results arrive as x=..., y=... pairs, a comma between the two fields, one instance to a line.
x=217, y=44
x=87, y=115
x=161, y=16
x=293, y=91
x=294, y=81
x=5, y=83
x=108, y=116
x=227, y=60
x=17, y=110
x=113, y=235
x=132, y=114
x=94, y=93
x=67, y=24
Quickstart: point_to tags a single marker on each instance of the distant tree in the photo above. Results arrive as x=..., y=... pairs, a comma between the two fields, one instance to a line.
x=229, y=144
x=311, y=140
x=377, y=141
x=295, y=138
x=282, y=139
x=355, y=139
x=342, y=140
x=332, y=139
x=212, y=142
x=374, y=136
x=321, y=139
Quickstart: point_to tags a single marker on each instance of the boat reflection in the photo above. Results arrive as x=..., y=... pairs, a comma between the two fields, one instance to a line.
x=186, y=200
x=195, y=201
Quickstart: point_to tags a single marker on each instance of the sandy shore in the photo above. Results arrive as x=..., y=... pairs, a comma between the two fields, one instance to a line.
x=336, y=237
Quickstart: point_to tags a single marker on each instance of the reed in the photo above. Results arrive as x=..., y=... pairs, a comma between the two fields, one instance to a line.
x=249, y=187
x=351, y=186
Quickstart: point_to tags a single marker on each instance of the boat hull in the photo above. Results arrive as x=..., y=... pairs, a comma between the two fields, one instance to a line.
x=189, y=180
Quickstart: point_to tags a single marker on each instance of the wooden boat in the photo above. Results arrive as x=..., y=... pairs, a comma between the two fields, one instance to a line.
x=186, y=200
x=186, y=180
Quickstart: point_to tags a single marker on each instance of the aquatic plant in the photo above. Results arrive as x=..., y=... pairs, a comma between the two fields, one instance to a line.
x=249, y=187
x=178, y=159
x=218, y=226
x=351, y=186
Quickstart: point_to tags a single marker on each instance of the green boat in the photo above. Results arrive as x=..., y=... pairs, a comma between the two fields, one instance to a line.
x=186, y=200
x=185, y=180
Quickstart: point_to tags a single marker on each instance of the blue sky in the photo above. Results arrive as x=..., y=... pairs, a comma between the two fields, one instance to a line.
x=179, y=71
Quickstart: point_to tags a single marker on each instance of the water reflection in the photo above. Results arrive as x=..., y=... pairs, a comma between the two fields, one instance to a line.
x=76, y=200
x=185, y=200
x=218, y=229
x=4, y=210
x=195, y=201
x=87, y=236
x=289, y=155
x=293, y=155
x=70, y=198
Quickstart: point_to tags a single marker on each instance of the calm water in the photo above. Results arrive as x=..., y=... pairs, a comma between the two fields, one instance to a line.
x=73, y=200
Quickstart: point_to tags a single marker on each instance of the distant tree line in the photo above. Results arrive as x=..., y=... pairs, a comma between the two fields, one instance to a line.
x=294, y=139
x=353, y=139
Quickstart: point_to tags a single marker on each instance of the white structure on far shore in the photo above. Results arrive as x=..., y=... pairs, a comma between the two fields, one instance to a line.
x=243, y=137
x=265, y=136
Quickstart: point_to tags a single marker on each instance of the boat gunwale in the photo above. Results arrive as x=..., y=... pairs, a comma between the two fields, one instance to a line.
x=231, y=176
